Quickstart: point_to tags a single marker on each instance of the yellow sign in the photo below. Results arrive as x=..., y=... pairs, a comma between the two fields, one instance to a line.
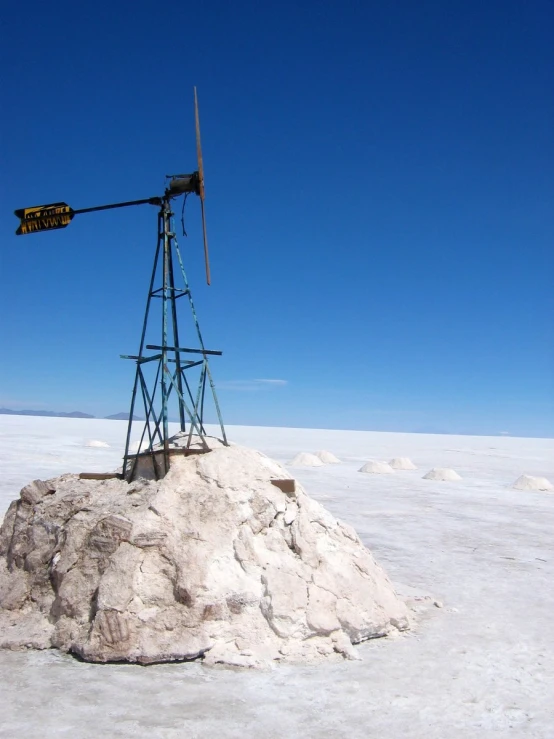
x=44, y=218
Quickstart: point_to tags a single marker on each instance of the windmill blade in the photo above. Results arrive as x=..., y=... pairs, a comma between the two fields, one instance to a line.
x=206, y=255
x=201, y=186
x=199, y=148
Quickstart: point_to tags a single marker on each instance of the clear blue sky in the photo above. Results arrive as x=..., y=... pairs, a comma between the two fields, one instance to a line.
x=380, y=195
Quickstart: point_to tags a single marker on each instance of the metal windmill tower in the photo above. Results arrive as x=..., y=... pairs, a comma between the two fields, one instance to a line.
x=167, y=373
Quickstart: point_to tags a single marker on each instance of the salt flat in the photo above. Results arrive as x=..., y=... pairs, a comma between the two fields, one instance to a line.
x=482, y=665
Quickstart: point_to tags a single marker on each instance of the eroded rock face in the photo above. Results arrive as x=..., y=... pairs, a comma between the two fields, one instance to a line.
x=212, y=562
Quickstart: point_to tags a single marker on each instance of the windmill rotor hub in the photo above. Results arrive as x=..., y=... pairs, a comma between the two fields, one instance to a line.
x=184, y=183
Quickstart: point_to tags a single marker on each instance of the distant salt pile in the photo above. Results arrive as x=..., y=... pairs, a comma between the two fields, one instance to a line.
x=442, y=473
x=377, y=468
x=327, y=457
x=528, y=482
x=305, y=459
x=402, y=463
x=97, y=444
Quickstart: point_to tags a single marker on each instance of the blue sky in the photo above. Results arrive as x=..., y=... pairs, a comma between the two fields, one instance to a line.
x=379, y=181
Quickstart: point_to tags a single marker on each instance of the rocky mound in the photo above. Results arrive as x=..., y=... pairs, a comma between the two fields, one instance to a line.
x=215, y=561
x=528, y=482
x=305, y=459
x=402, y=463
x=377, y=468
x=442, y=473
x=327, y=457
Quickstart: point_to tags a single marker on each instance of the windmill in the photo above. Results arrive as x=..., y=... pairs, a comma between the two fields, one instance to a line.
x=165, y=371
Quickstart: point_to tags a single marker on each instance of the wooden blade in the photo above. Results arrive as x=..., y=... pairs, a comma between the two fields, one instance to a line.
x=206, y=255
x=201, y=186
x=199, y=147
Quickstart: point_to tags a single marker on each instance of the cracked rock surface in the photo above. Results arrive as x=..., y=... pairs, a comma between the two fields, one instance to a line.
x=212, y=562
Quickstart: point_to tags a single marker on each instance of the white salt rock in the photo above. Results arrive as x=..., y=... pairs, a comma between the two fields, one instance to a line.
x=327, y=457
x=305, y=459
x=97, y=444
x=377, y=468
x=528, y=482
x=442, y=473
x=163, y=581
x=402, y=463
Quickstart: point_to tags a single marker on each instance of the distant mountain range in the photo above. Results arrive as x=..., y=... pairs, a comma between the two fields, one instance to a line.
x=124, y=416
x=61, y=414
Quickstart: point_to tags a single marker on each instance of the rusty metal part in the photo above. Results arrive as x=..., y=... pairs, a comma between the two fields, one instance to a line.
x=100, y=476
x=286, y=486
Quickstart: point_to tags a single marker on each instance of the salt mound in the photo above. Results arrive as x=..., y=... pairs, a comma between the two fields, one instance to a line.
x=402, y=463
x=98, y=444
x=213, y=562
x=377, y=468
x=327, y=457
x=528, y=482
x=442, y=473
x=305, y=459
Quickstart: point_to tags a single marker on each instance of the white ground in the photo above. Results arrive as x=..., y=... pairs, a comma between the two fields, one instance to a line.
x=481, y=666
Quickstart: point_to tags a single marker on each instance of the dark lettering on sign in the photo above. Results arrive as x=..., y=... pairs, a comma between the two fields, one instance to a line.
x=44, y=218
x=44, y=223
